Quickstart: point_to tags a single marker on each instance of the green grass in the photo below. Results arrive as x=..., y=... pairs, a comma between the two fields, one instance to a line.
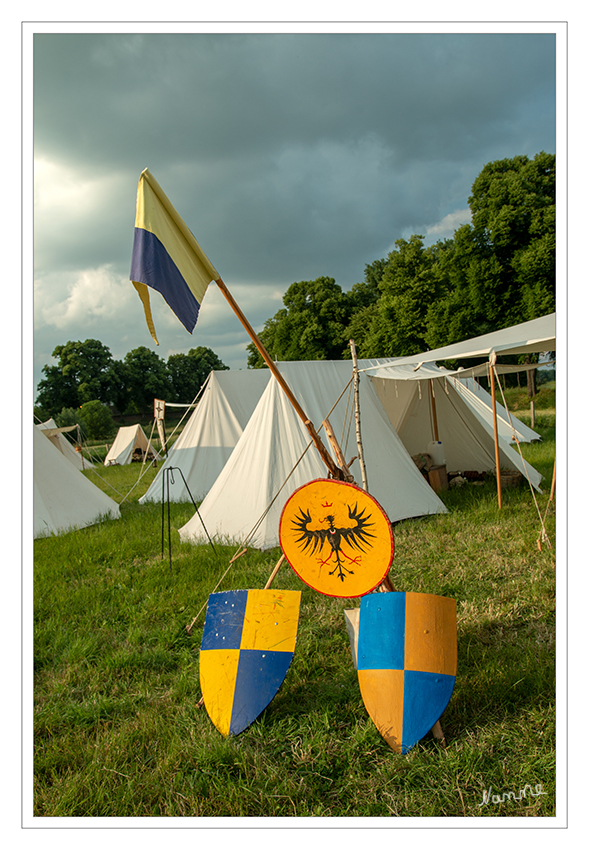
x=518, y=399
x=117, y=727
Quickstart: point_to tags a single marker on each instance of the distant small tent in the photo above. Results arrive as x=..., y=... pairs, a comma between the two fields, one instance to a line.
x=56, y=436
x=130, y=445
x=63, y=498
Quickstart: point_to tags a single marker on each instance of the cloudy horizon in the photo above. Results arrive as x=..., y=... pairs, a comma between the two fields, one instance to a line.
x=290, y=157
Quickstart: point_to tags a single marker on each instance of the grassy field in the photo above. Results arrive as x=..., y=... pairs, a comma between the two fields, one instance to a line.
x=118, y=732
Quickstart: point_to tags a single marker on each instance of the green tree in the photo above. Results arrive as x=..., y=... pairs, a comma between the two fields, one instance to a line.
x=70, y=416
x=408, y=287
x=188, y=372
x=97, y=418
x=147, y=378
x=118, y=386
x=469, y=286
x=362, y=306
x=513, y=209
x=311, y=325
x=500, y=270
x=82, y=374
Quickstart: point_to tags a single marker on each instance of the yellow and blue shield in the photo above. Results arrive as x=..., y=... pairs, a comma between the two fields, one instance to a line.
x=406, y=657
x=247, y=645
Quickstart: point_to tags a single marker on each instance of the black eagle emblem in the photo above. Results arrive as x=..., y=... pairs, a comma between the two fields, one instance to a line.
x=356, y=536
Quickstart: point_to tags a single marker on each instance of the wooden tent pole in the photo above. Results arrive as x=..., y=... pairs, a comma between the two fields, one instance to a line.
x=337, y=450
x=325, y=456
x=492, y=360
x=434, y=412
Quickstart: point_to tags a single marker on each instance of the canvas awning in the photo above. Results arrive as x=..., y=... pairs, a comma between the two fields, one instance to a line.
x=532, y=337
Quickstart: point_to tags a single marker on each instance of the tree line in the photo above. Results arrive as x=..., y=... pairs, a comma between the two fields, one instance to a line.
x=495, y=272
x=86, y=372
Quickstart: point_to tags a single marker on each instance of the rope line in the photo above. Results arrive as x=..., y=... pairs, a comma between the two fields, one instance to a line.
x=543, y=533
x=243, y=546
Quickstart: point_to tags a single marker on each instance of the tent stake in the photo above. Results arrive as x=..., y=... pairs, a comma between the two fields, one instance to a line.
x=274, y=572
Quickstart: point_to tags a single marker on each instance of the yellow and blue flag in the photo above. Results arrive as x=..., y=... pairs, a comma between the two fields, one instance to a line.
x=167, y=257
x=406, y=661
x=247, y=645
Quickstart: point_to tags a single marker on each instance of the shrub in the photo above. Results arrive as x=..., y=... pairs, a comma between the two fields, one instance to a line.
x=98, y=419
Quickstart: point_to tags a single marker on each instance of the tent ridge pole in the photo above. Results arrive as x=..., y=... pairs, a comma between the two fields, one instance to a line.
x=357, y=415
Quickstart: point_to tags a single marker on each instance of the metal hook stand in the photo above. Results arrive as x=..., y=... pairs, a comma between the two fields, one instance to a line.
x=169, y=471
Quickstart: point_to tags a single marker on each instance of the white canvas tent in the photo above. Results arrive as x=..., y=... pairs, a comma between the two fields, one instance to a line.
x=259, y=473
x=201, y=451
x=417, y=401
x=56, y=435
x=534, y=337
x=128, y=440
x=510, y=427
x=63, y=498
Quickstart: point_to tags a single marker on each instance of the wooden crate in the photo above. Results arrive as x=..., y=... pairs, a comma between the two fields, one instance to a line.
x=438, y=478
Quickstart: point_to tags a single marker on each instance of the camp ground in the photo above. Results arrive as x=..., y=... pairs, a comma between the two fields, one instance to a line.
x=378, y=420
x=63, y=498
x=272, y=457
x=60, y=441
x=229, y=399
x=130, y=445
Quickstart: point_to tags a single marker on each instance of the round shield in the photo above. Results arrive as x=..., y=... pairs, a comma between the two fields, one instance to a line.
x=336, y=537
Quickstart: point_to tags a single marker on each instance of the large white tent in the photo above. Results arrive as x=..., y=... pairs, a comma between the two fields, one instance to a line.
x=423, y=403
x=269, y=461
x=129, y=439
x=510, y=427
x=56, y=435
x=226, y=404
x=63, y=498
x=406, y=403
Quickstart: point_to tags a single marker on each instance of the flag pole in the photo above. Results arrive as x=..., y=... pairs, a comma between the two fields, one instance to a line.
x=334, y=470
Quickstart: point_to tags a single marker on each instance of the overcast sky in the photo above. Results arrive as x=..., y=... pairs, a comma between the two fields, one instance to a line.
x=289, y=156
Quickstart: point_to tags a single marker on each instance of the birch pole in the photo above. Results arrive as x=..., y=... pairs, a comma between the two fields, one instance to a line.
x=357, y=416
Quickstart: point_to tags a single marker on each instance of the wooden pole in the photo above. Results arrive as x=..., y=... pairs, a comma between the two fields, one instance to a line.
x=274, y=572
x=325, y=456
x=337, y=451
x=434, y=412
x=357, y=416
x=497, y=464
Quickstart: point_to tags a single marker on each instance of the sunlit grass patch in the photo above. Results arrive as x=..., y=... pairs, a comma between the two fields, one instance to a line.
x=118, y=730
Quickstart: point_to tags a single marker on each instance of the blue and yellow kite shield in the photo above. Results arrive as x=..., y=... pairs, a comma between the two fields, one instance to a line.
x=247, y=645
x=406, y=660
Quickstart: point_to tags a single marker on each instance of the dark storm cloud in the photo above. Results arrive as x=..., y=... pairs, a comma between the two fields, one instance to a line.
x=106, y=96
x=290, y=156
